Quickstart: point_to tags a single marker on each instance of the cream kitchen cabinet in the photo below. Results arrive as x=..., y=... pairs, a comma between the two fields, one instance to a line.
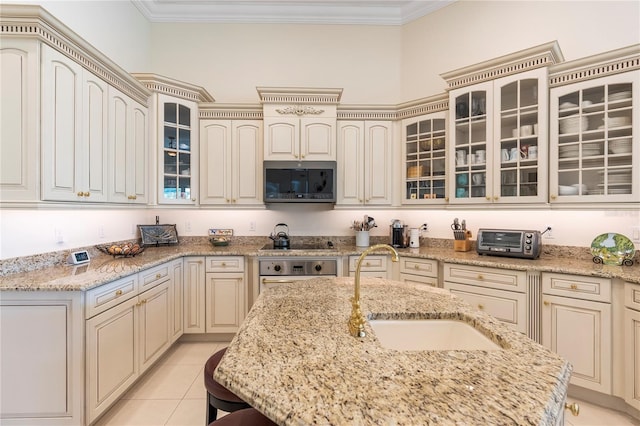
x=42, y=358
x=75, y=110
x=194, y=291
x=375, y=265
x=231, y=162
x=226, y=294
x=424, y=170
x=419, y=272
x=576, y=324
x=498, y=140
x=20, y=118
x=500, y=293
x=127, y=149
x=123, y=341
x=176, y=270
x=595, y=134
x=632, y=344
x=177, y=130
x=306, y=138
x=365, y=163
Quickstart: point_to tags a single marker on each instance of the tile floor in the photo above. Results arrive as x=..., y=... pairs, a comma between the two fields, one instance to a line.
x=173, y=393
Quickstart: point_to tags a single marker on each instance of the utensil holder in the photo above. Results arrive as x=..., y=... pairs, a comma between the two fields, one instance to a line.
x=463, y=245
x=362, y=238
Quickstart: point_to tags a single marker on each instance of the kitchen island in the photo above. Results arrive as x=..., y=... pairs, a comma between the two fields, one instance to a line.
x=294, y=360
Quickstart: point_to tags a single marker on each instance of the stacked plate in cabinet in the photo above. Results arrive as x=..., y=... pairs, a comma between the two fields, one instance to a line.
x=573, y=124
x=620, y=146
x=619, y=96
x=569, y=151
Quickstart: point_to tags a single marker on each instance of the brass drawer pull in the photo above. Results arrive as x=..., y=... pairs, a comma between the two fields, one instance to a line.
x=574, y=408
x=574, y=286
x=118, y=293
x=158, y=276
x=545, y=303
x=481, y=307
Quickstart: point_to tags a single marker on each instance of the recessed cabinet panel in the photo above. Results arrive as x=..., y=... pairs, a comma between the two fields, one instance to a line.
x=632, y=356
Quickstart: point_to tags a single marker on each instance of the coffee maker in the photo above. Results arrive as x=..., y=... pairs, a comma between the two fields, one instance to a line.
x=399, y=234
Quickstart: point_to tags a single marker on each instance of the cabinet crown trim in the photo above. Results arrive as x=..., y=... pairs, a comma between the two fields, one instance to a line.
x=301, y=95
x=540, y=56
x=34, y=21
x=230, y=111
x=161, y=84
x=596, y=66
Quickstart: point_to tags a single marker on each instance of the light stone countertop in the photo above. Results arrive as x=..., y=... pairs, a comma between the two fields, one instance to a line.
x=104, y=268
x=294, y=360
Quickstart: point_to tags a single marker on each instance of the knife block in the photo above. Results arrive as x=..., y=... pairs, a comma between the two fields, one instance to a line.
x=463, y=245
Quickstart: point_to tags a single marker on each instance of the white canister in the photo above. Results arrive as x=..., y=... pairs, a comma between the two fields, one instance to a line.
x=414, y=238
x=362, y=238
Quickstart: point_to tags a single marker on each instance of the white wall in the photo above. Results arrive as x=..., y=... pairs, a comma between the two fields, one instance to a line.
x=231, y=60
x=114, y=27
x=468, y=32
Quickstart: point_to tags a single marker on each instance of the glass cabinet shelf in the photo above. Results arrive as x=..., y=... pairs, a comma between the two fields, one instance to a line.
x=425, y=159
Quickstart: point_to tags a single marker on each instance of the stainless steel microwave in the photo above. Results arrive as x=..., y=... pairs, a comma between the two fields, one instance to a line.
x=509, y=242
x=299, y=181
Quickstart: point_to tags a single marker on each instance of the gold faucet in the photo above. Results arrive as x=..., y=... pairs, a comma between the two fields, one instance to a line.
x=356, y=322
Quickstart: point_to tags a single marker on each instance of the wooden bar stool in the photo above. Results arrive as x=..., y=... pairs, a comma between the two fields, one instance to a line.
x=245, y=417
x=219, y=397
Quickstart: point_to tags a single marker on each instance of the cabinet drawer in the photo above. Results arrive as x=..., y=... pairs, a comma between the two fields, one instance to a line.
x=632, y=296
x=154, y=276
x=424, y=267
x=501, y=279
x=101, y=298
x=577, y=287
x=224, y=264
x=507, y=306
x=370, y=263
x=418, y=280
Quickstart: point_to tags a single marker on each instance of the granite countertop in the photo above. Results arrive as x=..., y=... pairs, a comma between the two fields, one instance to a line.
x=294, y=360
x=104, y=268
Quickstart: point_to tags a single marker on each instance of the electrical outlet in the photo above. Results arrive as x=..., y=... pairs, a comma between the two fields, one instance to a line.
x=548, y=233
x=635, y=234
x=252, y=226
x=101, y=231
x=59, y=237
x=187, y=226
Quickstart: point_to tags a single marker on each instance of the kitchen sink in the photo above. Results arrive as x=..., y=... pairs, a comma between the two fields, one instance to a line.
x=430, y=335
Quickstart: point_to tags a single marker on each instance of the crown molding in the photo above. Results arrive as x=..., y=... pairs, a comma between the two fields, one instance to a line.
x=344, y=12
x=540, y=56
x=596, y=66
x=230, y=111
x=35, y=22
x=423, y=106
x=367, y=112
x=161, y=84
x=299, y=95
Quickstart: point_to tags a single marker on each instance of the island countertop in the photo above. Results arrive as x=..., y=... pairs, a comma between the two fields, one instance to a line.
x=295, y=361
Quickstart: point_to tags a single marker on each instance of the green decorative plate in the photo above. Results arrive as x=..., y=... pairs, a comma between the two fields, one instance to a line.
x=613, y=249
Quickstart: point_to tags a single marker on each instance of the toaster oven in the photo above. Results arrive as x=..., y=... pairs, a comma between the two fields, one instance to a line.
x=509, y=242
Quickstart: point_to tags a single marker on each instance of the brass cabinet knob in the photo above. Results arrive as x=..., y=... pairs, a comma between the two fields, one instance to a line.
x=574, y=408
x=481, y=307
x=446, y=199
x=223, y=264
x=200, y=262
x=496, y=198
x=193, y=199
x=480, y=277
x=417, y=266
x=80, y=194
x=553, y=196
x=158, y=276
x=488, y=198
x=545, y=303
x=118, y=293
x=574, y=286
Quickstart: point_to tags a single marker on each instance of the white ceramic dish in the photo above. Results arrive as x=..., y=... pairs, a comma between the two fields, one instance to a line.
x=567, y=190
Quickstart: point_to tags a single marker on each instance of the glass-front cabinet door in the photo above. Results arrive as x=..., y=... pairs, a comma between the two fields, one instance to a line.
x=178, y=165
x=425, y=159
x=594, y=140
x=499, y=140
x=471, y=146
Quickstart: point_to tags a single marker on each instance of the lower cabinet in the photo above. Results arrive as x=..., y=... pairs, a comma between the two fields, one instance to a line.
x=215, y=294
x=500, y=293
x=41, y=373
x=177, y=299
x=225, y=294
x=632, y=344
x=419, y=272
x=576, y=324
x=372, y=266
x=124, y=340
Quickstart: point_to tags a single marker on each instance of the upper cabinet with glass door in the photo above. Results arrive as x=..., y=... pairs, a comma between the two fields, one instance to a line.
x=177, y=133
x=595, y=129
x=425, y=160
x=498, y=128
